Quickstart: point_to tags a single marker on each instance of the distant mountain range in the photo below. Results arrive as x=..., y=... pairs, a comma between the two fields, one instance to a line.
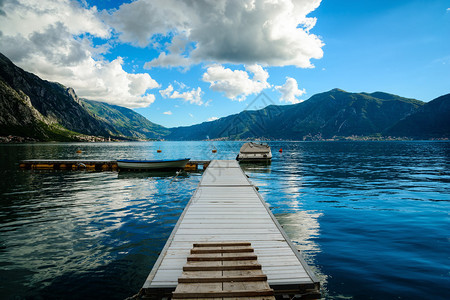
x=331, y=114
x=36, y=109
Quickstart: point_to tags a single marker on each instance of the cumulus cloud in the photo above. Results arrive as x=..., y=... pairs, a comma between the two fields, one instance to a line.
x=168, y=60
x=275, y=33
x=212, y=119
x=290, y=91
x=237, y=84
x=193, y=96
x=41, y=38
x=167, y=112
x=26, y=17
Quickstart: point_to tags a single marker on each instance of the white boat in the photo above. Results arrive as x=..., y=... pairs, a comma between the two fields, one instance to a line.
x=165, y=164
x=254, y=152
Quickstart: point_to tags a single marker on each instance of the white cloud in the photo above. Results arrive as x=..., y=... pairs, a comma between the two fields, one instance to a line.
x=237, y=84
x=53, y=40
x=212, y=119
x=193, y=96
x=167, y=112
x=191, y=115
x=167, y=61
x=25, y=17
x=290, y=91
x=275, y=33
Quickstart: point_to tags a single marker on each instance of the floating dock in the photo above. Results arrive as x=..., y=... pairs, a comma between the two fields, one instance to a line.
x=92, y=165
x=226, y=208
x=69, y=164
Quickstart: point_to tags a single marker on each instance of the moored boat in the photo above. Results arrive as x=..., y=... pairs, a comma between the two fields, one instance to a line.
x=165, y=164
x=254, y=152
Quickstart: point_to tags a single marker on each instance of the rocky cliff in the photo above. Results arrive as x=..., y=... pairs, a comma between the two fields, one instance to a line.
x=27, y=100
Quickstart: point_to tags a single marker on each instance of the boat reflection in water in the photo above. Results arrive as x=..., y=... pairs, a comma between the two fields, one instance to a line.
x=152, y=174
x=255, y=167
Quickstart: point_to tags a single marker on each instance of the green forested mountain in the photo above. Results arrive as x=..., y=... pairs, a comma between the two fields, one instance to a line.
x=329, y=114
x=125, y=121
x=430, y=121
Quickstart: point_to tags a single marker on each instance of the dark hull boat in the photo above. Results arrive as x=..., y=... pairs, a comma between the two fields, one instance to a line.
x=167, y=164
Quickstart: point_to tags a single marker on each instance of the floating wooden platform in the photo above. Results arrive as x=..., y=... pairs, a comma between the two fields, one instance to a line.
x=227, y=208
x=69, y=164
x=92, y=165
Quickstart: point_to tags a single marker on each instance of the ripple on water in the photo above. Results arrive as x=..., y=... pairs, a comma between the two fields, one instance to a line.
x=371, y=218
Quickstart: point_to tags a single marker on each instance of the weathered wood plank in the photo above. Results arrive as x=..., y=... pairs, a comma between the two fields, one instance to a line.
x=199, y=257
x=221, y=265
x=221, y=250
x=243, y=293
x=260, y=277
x=246, y=286
x=222, y=244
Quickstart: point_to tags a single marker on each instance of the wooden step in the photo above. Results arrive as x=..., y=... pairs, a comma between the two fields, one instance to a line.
x=223, y=270
x=224, y=244
x=259, y=277
x=202, y=250
x=195, y=257
x=235, y=293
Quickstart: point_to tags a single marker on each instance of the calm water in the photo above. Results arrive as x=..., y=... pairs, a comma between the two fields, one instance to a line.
x=372, y=218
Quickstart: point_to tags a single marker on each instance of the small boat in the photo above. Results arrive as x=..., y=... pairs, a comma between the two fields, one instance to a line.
x=254, y=152
x=165, y=164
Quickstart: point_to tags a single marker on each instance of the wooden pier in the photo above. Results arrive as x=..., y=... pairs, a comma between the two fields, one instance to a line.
x=226, y=208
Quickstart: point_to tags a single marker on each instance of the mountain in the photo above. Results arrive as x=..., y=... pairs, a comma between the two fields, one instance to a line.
x=430, y=121
x=325, y=115
x=37, y=109
x=125, y=122
x=42, y=109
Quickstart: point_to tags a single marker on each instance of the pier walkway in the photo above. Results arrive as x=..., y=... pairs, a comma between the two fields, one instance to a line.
x=226, y=207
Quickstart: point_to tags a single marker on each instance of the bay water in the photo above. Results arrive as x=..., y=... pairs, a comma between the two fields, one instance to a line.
x=371, y=218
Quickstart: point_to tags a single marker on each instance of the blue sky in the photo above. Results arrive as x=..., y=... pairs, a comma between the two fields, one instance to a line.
x=180, y=65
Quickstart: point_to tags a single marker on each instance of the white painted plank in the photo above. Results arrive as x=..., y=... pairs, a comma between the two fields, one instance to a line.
x=226, y=208
x=223, y=226
x=217, y=238
x=230, y=221
x=225, y=211
x=224, y=164
x=230, y=231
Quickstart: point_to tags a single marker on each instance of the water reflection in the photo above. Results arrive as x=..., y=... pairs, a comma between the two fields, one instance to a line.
x=152, y=174
x=256, y=168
